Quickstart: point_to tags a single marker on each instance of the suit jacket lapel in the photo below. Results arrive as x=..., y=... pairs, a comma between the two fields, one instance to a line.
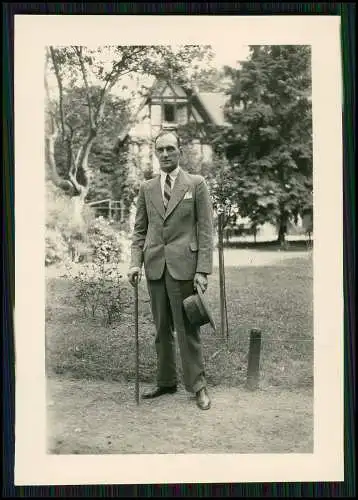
x=179, y=189
x=156, y=196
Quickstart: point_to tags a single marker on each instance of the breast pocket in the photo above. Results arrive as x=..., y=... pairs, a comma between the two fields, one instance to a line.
x=193, y=246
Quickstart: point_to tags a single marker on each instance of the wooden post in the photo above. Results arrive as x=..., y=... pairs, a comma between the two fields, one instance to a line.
x=221, y=272
x=253, y=366
x=121, y=211
x=136, y=341
x=225, y=306
x=110, y=209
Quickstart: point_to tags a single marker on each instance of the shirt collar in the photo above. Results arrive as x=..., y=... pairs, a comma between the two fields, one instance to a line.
x=173, y=174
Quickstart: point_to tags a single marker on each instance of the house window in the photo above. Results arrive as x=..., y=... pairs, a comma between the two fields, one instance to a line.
x=169, y=113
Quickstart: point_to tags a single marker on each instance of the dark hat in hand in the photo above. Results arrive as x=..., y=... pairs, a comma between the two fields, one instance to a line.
x=197, y=310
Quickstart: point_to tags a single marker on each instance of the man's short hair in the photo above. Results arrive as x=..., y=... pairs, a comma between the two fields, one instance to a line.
x=167, y=132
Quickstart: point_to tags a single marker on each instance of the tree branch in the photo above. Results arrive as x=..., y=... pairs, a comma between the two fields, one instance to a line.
x=50, y=140
x=81, y=164
x=112, y=78
x=66, y=136
x=69, y=148
x=117, y=67
x=78, y=51
x=60, y=89
x=50, y=106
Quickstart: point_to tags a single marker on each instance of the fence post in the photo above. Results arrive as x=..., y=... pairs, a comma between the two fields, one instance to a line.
x=110, y=209
x=122, y=211
x=221, y=273
x=253, y=365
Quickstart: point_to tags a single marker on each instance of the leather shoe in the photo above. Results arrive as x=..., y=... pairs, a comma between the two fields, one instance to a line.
x=202, y=399
x=159, y=391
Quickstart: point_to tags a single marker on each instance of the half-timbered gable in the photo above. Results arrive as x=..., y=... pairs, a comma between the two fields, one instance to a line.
x=169, y=106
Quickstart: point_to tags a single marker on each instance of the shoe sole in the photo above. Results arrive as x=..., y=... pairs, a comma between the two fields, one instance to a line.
x=204, y=407
x=158, y=395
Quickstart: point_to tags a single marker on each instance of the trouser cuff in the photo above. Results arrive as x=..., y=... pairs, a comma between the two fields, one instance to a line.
x=167, y=384
x=200, y=384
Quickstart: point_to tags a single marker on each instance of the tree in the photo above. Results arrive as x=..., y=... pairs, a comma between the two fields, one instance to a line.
x=103, y=160
x=90, y=75
x=269, y=144
x=211, y=80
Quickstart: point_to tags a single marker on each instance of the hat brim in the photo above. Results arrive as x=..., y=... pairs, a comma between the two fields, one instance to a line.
x=206, y=308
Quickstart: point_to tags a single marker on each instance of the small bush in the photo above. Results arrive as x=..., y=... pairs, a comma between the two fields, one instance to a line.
x=87, y=239
x=99, y=290
x=62, y=230
x=56, y=247
x=107, y=242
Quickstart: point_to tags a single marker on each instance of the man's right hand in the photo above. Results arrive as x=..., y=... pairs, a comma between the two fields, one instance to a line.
x=133, y=275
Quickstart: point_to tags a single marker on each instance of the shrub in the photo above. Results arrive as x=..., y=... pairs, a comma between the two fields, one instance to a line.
x=108, y=243
x=99, y=289
x=59, y=213
x=56, y=247
x=62, y=231
x=91, y=239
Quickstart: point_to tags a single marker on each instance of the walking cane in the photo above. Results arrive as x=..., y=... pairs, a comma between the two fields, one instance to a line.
x=136, y=338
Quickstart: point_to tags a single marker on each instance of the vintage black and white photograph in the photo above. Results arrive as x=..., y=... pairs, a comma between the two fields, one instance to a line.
x=194, y=175
x=178, y=248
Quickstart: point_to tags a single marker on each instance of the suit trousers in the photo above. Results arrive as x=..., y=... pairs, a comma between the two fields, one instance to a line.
x=167, y=295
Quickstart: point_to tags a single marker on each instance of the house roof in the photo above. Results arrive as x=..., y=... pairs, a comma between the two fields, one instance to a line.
x=214, y=103
x=210, y=103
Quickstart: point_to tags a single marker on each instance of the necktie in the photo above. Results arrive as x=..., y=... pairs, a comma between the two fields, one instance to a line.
x=167, y=190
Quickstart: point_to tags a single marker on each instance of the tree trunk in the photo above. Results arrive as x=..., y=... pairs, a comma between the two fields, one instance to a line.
x=75, y=191
x=227, y=235
x=78, y=203
x=281, y=233
x=221, y=272
x=254, y=230
x=282, y=230
x=78, y=231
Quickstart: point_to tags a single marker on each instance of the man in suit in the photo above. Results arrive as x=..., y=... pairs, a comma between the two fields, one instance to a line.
x=173, y=238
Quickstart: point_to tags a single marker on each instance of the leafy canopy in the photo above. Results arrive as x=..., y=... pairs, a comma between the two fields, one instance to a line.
x=269, y=143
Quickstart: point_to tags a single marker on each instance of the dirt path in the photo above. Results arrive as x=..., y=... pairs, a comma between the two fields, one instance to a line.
x=102, y=417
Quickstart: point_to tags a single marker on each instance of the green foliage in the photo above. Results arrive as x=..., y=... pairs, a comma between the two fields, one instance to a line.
x=107, y=243
x=218, y=171
x=98, y=239
x=98, y=290
x=165, y=62
x=62, y=231
x=274, y=157
x=103, y=160
x=56, y=247
x=211, y=80
x=269, y=143
x=125, y=187
x=192, y=161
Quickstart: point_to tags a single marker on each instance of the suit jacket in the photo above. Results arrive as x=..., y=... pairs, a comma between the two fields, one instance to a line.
x=180, y=237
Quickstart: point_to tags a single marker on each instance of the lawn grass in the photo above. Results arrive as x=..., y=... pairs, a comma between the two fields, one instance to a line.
x=278, y=299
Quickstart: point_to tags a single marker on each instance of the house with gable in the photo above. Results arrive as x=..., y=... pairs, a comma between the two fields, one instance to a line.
x=168, y=105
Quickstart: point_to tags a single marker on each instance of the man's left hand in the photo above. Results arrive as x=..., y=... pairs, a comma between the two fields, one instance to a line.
x=201, y=280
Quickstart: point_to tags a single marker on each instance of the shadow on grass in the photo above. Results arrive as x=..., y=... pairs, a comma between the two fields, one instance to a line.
x=289, y=246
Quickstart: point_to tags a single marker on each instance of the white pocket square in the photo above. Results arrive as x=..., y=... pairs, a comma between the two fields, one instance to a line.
x=188, y=196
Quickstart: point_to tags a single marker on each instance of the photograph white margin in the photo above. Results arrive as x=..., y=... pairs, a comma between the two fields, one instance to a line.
x=32, y=465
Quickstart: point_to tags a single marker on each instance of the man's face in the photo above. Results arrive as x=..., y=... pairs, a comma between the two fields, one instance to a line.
x=167, y=152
